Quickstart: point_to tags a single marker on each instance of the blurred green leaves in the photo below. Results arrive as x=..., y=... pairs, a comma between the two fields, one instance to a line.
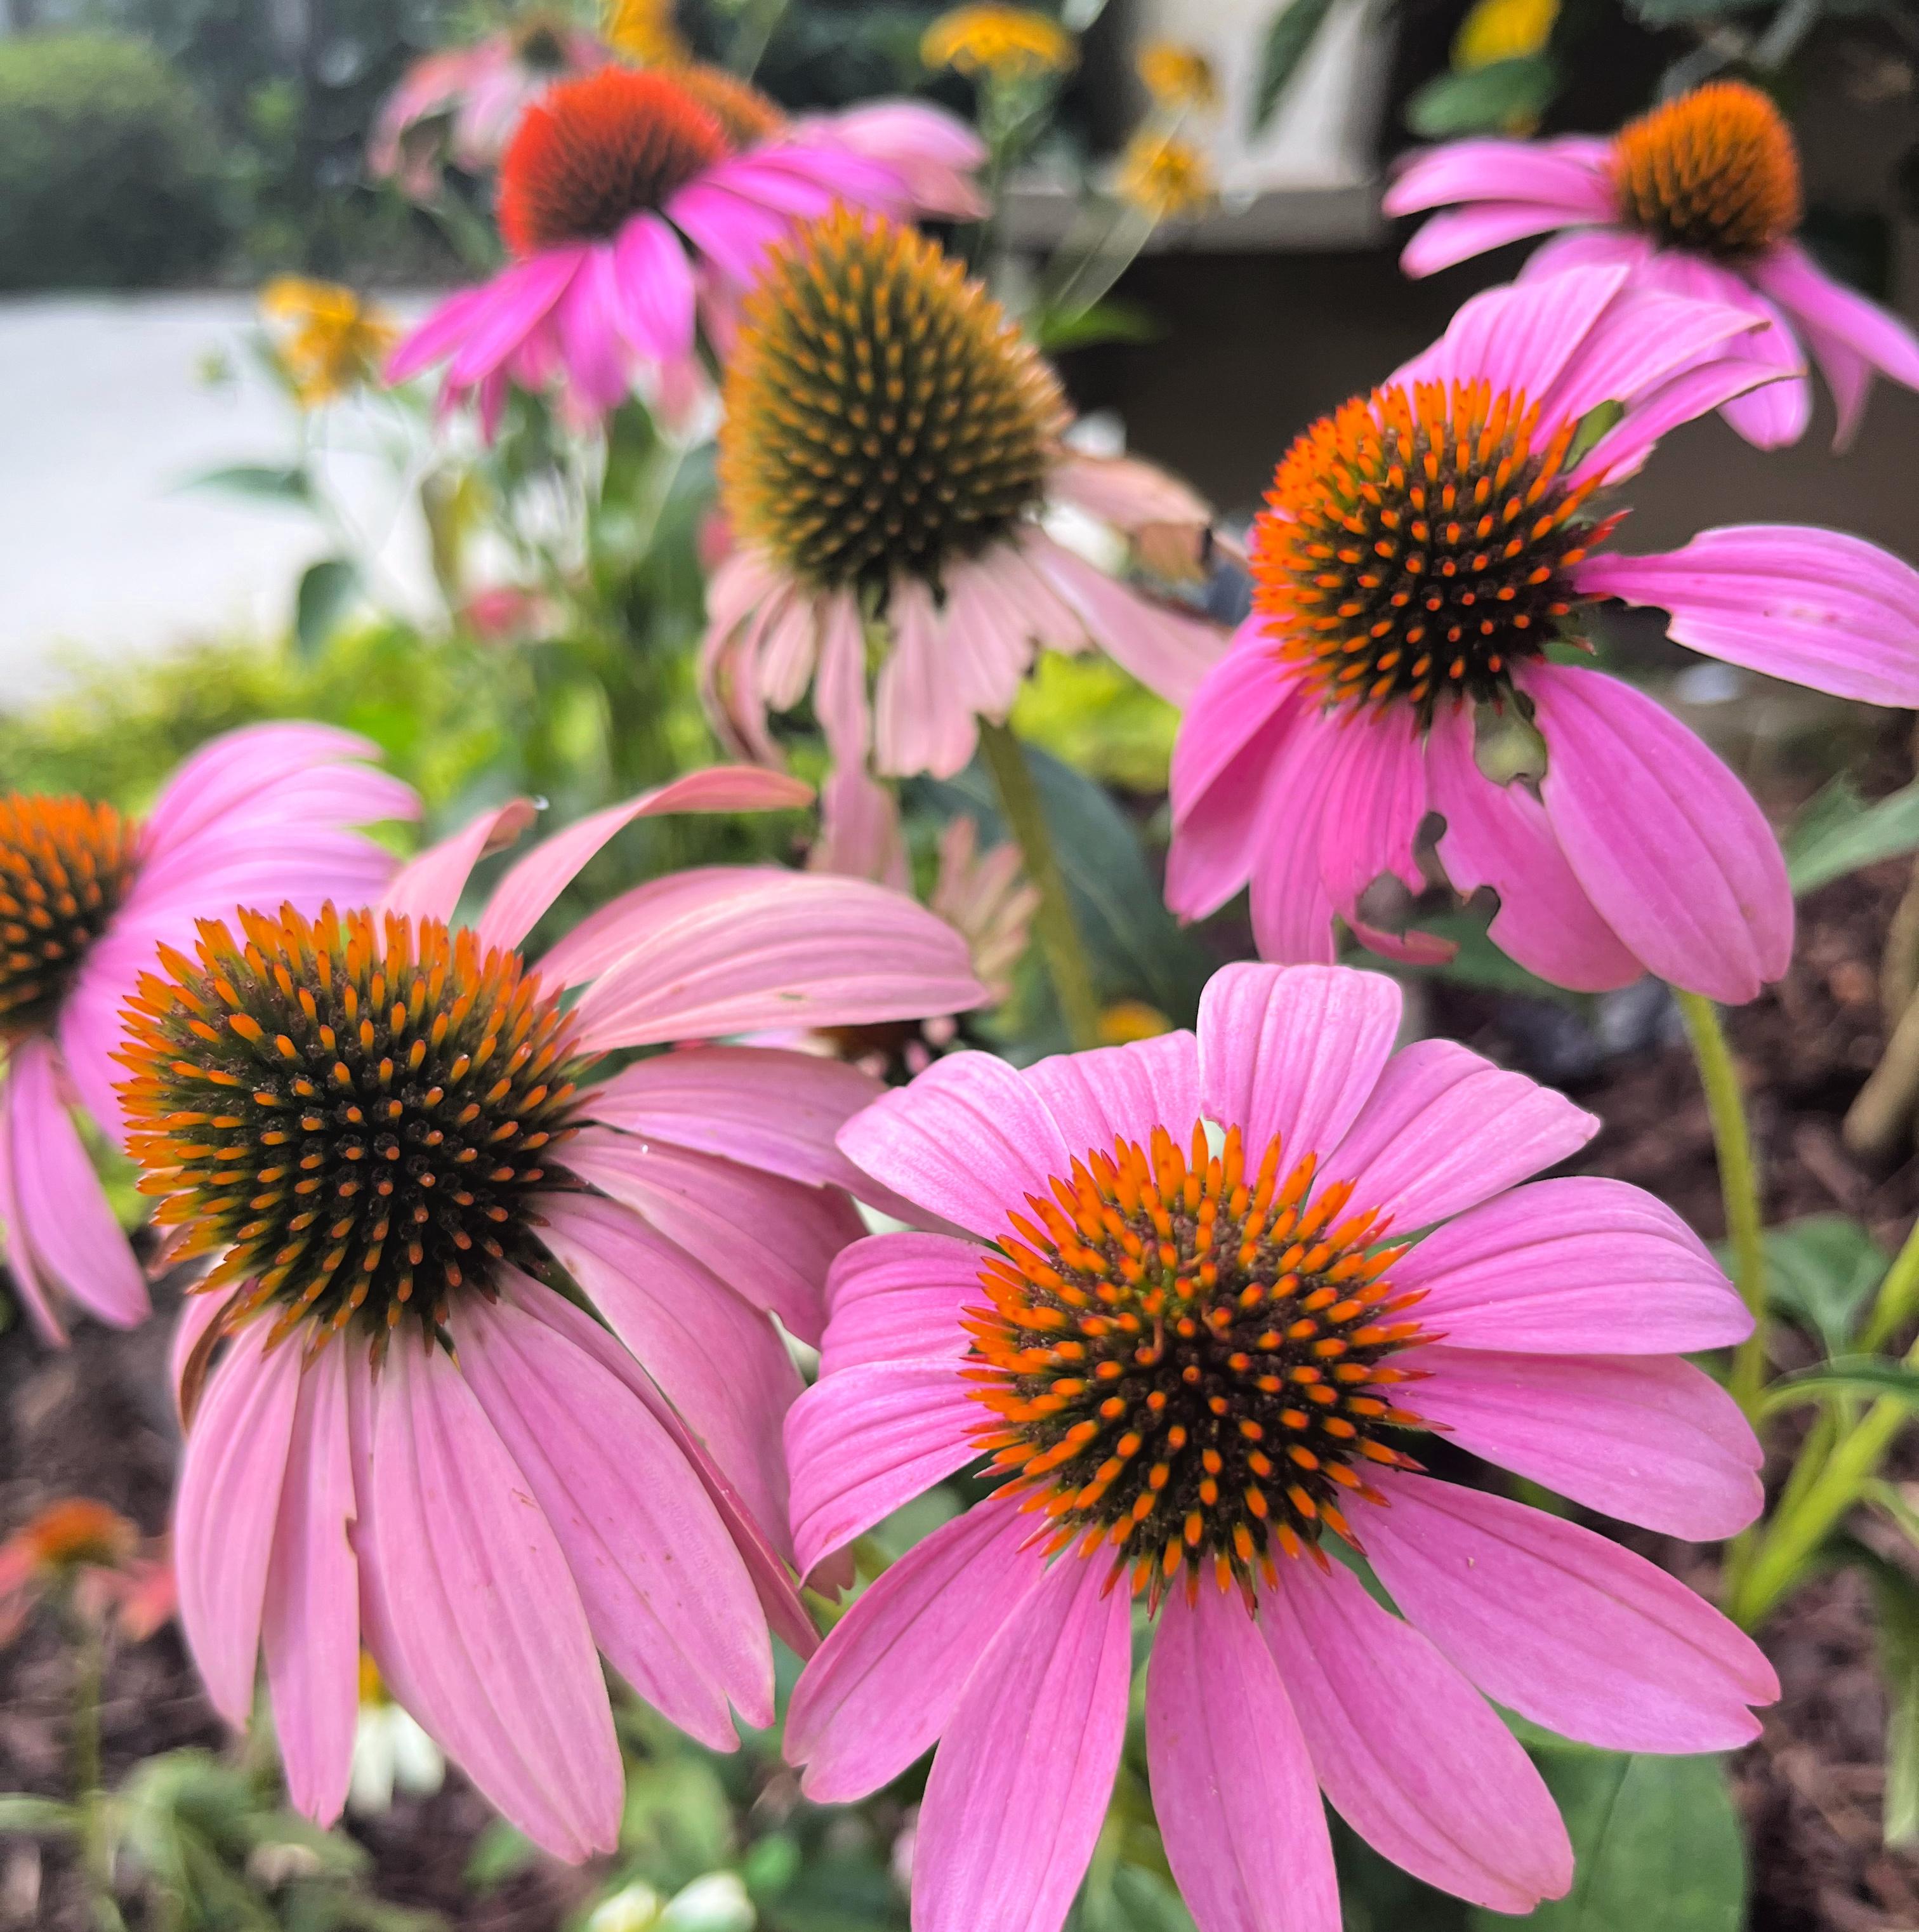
x=1289, y=38
x=1484, y=99
x=1838, y=831
x=1821, y=1272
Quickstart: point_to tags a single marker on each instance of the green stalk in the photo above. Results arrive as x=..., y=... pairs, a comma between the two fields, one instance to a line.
x=1058, y=935
x=1898, y=1299
x=89, y=1667
x=1739, y=1184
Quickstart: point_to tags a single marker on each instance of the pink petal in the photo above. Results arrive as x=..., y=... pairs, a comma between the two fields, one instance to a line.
x=471, y=1614
x=533, y=884
x=656, y=289
x=1123, y=491
x=1792, y=279
x=1375, y=799
x=1518, y=336
x=1570, y=1630
x=886, y=1681
x=1020, y=1783
x=1576, y=1267
x=1706, y=904
x=1218, y=846
x=1292, y=912
x=1849, y=375
x=841, y=696
x=932, y=151
x=1815, y=607
x=1498, y=835
x=1120, y=1090
x=625, y=924
x=665, y=1592
x=437, y=337
x=517, y=302
x=1570, y=174
x=223, y=1517
x=198, y=1313
x=1233, y=1786
x=860, y=834
x=1293, y=1050
x=731, y=231
x=1646, y=1438
x=37, y=1294
x=1245, y=691
x=921, y=722
x=1409, y=1753
x=587, y=320
x=309, y=1624
x=430, y=887
x=1463, y=233
x=898, y=1298
x=864, y=1441
x=716, y=1359
x=1445, y=1129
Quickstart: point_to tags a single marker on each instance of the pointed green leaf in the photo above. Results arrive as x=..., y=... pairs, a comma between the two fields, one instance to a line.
x=1820, y=1272
x=286, y=484
x=1838, y=831
x=1484, y=101
x=1288, y=38
x=1867, y=1378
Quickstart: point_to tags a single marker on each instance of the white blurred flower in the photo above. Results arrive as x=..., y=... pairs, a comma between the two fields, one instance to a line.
x=717, y=1903
x=390, y=1751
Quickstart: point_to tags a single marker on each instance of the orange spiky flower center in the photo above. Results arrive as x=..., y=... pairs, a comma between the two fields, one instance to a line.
x=1188, y=1367
x=363, y=1127
x=1414, y=546
x=593, y=152
x=74, y=1531
x=1717, y=170
x=65, y=865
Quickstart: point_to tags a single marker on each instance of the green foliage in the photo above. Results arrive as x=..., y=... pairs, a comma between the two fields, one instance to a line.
x=107, y=176
x=1485, y=100
x=1838, y=831
x=1821, y=1272
x=1091, y=715
x=1289, y=38
x=1868, y=1377
x=1896, y=1600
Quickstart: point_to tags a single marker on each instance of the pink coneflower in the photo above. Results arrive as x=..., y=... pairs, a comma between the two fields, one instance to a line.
x=85, y=895
x=897, y=514
x=1699, y=197
x=376, y=1121
x=1193, y=1356
x=636, y=205
x=1423, y=548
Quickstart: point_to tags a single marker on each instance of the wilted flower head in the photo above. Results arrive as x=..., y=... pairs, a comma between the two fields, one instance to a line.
x=1699, y=196
x=1164, y=175
x=1004, y=44
x=988, y=900
x=86, y=893
x=1190, y=1334
x=379, y=1124
x=82, y=1550
x=1180, y=78
x=327, y=340
x=1421, y=548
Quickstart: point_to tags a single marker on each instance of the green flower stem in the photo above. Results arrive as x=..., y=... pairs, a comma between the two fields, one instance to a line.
x=1739, y=1183
x=89, y=1800
x=1898, y=1299
x=1058, y=935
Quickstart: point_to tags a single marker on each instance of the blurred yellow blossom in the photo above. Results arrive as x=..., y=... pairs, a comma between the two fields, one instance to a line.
x=1163, y=176
x=642, y=31
x=1126, y=1020
x=1003, y=43
x=328, y=342
x=1178, y=77
x=1501, y=30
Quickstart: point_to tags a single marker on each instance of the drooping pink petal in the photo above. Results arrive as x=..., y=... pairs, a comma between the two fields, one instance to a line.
x=932, y=151
x=921, y=721
x=1375, y=799
x=1849, y=375
x=840, y=696
x=587, y=323
x=1123, y=491
x=1646, y=1438
x=886, y=1681
x=1705, y=904
x=1570, y=1630
x=471, y=1614
x=517, y=302
x=533, y=884
x=1293, y=1050
x=656, y=281
x=1520, y=335
x=37, y=1294
x=868, y=1440
x=1020, y=1780
x=898, y=1298
x=624, y=925
x=1244, y=691
x=1445, y=1129
x=1569, y=175
x=230, y=1480
x=729, y=230
x=185, y=1355
x=860, y=833
x=1408, y=1751
x=1461, y=233
x=715, y=1358
x=1498, y=835
x=1219, y=846
x=665, y=1592
x=1816, y=607
x=1794, y=280
x=1233, y=1786
x=1580, y=1266
x=1292, y=911
x=310, y=1623
x=1126, y=1090
x=431, y=886
x=436, y=338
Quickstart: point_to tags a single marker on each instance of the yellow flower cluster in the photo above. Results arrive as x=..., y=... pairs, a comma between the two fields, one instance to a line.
x=1163, y=174
x=1502, y=30
x=643, y=31
x=328, y=342
x=1005, y=43
x=1180, y=79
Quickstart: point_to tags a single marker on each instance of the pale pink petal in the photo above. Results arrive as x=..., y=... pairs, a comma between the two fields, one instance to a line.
x=1293, y=1050
x=517, y=301
x=655, y=282
x=1646, y=1438
x=223, y=1517
x=309, y=1624
x=1123, y=491
x=1461, y=233
x=1834, y=313
x=1815, y=607
x=1570, y=174
x=1567, y=1628
x=1587, y=248
x=841, y=696
x=1375, y=799
x=1498, y=835
x=1580, y=1266
x=932, y=151
x=860, y=833
x=533, y=884
x=665, y=1592
x=1692, y=391
x=1445, y=1129
x=887, y=1680
x=920, y=723
x=1123, y=1091
x=864, y=1441
x=786, y=641
x=898, y=1298
x=431, y=886
x=474, y=1618
x=1021, y=1778
x=37, y=1295
x=198, y=1313
x=1292, y=911
x=1705, y=904
x=1233, y=1787
x=625, y=924
x=1408, y=1752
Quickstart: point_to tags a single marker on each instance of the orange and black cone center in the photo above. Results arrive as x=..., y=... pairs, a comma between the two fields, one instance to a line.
x=746, y=116
x=1717, y=170
x=594, y=151
x=1415, y=546
x=65, y=865
x=362, y=1127
x=1188, y=1366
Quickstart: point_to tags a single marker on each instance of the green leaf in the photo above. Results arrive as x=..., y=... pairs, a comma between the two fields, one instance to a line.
x=1593, y=424
x=1838, y=831
x=1488, y=98
x=1657, y=1845
x=1055, y=329
x=275, y=483
x=499, y=1852
x=1478, y=962
x=326, y=593
x=1866, y=1377
x=1291, y=34
x=37, y=1817
x=1820, y=1271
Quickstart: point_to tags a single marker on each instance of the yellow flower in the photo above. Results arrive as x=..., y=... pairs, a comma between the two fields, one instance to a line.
x=1003, y=43
x=1500, y=30
x=642, y=31
x=1178, y=77
x=1162, y=175
x=327, y=341
x=1126, y=1021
